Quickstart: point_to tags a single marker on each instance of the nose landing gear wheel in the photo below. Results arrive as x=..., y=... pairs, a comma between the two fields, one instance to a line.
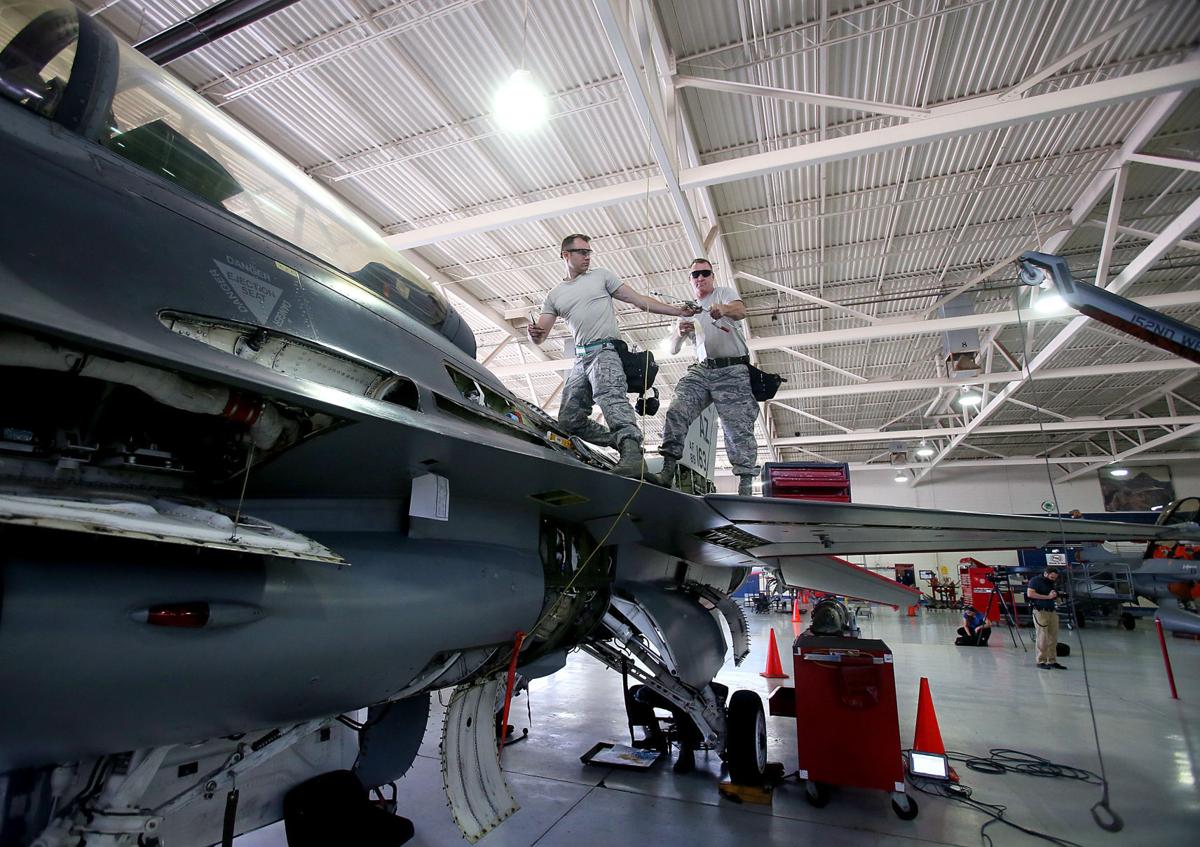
x=746, y=738
x=904, y=806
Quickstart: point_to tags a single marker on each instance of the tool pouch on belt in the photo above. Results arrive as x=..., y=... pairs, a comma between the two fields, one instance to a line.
x=763, y=385
x=640, y=368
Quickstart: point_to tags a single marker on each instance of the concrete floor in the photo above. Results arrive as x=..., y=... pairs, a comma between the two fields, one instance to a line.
x=984, y=698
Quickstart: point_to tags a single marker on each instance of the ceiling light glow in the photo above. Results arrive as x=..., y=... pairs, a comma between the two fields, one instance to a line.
x=519, y=105
x=1118, y=472
x=1049, y=303
x=969, y=397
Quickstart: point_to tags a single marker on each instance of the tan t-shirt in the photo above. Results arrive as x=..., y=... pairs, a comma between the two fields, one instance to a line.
x=585, y=303
x=712, y=339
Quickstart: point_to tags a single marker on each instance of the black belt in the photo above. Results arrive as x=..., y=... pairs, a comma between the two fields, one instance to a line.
x=725, y=363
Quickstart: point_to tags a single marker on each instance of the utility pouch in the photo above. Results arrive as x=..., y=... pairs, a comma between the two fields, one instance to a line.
x=640, y=368
x=764, y=385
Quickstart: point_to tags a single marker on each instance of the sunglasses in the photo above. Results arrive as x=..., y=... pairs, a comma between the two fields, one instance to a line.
x=579, y=250
x=700, y=274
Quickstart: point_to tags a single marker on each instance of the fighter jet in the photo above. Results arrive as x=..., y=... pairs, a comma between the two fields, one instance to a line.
x=253, y=481
x=1109, y=576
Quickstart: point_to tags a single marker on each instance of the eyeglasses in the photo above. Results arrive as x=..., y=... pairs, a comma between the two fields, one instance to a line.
x=581, y=251
x=699, y=274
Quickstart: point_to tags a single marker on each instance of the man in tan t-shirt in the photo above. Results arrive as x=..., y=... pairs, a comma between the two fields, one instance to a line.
x=584, y=300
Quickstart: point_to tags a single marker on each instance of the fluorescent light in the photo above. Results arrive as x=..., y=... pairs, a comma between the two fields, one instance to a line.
x=1119, y=472
x=519, y=105
x=969, y=397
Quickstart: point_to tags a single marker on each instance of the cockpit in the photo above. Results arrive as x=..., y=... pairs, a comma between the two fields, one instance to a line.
x=64, y=66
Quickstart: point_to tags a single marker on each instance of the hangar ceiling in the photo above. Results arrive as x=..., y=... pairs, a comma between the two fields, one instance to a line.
x=850, y=166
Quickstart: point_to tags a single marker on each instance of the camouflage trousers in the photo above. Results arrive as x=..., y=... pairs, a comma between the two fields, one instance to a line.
x=729, y=389
x=598, y=379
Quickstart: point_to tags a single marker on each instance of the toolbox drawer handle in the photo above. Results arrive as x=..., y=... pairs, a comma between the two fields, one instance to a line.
x=830, y=658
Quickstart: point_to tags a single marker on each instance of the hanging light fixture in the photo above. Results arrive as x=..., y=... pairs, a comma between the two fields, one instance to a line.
x=900, y=476
x=1118, y=472
x=520, y=105
x=969, y=397
x=924, y=451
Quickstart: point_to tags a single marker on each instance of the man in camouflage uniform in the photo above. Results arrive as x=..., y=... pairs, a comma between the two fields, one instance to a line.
x=721, y=375
x=584, y=299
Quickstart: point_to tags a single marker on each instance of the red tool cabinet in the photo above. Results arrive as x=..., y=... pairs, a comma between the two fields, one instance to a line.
x=807, y=481
x=847, y=727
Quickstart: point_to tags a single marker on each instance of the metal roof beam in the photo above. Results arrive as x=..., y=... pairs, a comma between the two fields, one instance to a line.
x=1182, y=432
x=620, y=40
x=1141, y=233
x=1081, y=425
x=1007, y=461
x=942, y=125
x=1140, y=263
x=804, y=295
x=1166, y=162
x=901, y=328
x=1183, y=75
x=729, y=87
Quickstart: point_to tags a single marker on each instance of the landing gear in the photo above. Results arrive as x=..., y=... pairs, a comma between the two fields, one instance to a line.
x=1128, y=621
x=816, y=793
x=904, y=806
x=746, y=738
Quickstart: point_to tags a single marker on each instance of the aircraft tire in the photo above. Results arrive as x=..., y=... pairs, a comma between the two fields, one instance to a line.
x=746, y=738
x=1128, y=621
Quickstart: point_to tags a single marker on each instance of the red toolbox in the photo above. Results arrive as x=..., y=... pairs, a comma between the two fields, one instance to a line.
x=847, y=726
x=807, y=481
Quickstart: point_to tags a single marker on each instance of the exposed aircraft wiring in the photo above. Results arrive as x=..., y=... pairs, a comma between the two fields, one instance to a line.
x=1114, y=823
x=237, y=516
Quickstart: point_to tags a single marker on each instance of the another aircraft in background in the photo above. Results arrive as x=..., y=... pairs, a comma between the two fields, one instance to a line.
x=252, y=479
x=1166, y=573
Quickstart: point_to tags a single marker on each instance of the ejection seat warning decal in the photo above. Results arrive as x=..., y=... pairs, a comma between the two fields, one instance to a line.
x=247, y=287
x=430, y=498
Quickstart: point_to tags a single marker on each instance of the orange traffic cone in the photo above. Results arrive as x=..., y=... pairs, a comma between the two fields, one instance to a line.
x=796, y=628
x=912, y=611
x=796, y=609
x=927, y=737
x=774, y=668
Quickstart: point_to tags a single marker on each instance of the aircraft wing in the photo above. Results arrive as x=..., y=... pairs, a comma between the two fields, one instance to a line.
x=837, y=576
x=804, y=528
x=804, y=539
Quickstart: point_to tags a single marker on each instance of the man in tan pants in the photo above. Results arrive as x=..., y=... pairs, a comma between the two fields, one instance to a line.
x=1042, y=596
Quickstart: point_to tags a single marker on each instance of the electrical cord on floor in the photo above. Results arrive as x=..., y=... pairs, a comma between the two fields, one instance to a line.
x=961, y=794
x=1001, y=760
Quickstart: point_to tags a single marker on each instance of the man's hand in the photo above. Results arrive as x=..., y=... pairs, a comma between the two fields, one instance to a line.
x=689, y=309
x=686, y=328
x=1053, y=595
x=716, y=312
x=536, y=334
